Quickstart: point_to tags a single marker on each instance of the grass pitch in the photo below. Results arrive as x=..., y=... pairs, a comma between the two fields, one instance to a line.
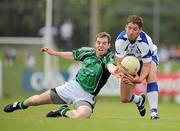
x=109, y=115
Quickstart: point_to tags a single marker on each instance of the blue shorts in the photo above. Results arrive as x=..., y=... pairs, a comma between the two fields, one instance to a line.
x=155, y=58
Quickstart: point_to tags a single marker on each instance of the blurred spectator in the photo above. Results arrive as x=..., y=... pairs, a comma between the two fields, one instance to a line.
x=66, y=33
x=10, y=56
x=30, y=60
x=48, y=33
x=175, y=53
x=164, y=55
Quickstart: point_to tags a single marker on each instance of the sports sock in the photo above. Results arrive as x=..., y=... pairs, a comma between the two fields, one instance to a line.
x=152, y=95
x=20, y=105
x=136, y=99
x=63, y=111
x=153, y=112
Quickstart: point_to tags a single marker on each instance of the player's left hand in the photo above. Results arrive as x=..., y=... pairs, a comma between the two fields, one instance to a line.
x=126, y=80
x=135, y=79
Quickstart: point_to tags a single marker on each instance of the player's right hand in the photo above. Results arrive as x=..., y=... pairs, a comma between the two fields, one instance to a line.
x=118, y=72
x=47, y=50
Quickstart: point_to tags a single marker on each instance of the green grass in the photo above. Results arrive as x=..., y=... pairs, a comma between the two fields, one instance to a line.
x=109, y=115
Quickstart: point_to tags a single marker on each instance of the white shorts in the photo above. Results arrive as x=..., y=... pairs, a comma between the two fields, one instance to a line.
x=71, y=92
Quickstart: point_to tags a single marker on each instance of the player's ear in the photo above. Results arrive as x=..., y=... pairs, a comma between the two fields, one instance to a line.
x=125, y=27
x=109, y=45
x=140, y=29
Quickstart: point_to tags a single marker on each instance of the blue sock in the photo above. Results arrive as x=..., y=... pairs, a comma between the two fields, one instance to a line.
x=152, y=95
x=135, y=98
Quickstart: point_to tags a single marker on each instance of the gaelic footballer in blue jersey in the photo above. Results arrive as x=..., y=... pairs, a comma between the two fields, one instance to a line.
x=134, y=41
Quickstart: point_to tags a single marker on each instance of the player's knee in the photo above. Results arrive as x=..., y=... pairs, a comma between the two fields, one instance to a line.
x=83, y=115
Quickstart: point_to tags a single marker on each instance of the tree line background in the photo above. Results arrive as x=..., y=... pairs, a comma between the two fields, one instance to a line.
x=26, y=18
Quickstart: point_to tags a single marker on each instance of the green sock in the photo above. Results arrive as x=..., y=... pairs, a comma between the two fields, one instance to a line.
x=62, y=112
x=21, y=105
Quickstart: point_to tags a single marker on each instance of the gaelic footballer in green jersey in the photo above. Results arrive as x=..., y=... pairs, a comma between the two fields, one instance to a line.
x=97, y=64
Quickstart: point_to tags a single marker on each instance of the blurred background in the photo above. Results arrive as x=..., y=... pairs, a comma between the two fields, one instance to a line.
x=27, y=26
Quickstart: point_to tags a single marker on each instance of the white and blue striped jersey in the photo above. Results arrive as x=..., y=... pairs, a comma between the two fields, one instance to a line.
x=142, y=48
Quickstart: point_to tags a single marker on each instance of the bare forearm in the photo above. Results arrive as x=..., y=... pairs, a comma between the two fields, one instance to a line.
x=118, y=61
x=66, y=55
x=111, y=68
x=145, y=71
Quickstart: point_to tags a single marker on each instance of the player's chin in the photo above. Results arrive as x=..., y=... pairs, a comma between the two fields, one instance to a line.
x=101, y=54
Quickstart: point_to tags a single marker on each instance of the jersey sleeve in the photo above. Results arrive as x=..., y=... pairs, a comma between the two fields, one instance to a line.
x=120, y=48
x=146, y=50
x=81, y=53
x=120, y=44
x=109, y=59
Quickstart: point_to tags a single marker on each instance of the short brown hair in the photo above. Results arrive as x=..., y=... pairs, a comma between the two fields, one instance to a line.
x=104, y=34
x=135, y=20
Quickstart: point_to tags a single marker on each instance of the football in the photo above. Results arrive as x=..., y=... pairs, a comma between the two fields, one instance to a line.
x=130, y=65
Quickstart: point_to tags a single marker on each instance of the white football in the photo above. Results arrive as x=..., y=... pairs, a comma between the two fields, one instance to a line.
x=130, y=65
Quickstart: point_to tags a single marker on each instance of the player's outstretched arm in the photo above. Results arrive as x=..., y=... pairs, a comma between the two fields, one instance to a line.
x=66, y=55
x=114, y=70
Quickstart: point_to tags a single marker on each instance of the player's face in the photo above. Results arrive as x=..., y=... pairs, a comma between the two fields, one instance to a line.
x=132, y=31
x=101, y=46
